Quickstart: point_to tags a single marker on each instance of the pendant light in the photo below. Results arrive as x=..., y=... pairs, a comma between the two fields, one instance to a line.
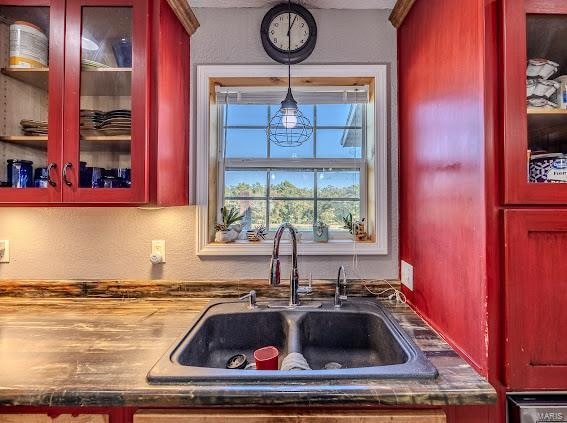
x=289, y=127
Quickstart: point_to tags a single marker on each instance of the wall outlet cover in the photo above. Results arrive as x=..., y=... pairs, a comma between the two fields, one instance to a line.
x=407, y=275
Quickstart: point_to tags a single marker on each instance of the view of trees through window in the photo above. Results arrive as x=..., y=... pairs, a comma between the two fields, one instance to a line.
x=318, y=181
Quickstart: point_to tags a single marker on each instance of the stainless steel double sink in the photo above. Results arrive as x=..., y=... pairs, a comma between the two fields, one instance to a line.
x=361, y=336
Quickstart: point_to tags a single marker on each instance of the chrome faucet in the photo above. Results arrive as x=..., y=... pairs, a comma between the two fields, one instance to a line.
x=341, y=283
x=275, y=264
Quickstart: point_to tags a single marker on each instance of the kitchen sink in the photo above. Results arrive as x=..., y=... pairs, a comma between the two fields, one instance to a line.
x=360, y=340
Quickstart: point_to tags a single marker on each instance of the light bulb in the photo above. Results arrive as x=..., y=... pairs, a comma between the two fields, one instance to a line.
x=289, y=118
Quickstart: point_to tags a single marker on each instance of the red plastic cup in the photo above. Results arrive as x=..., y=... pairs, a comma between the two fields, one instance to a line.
x=266, y=358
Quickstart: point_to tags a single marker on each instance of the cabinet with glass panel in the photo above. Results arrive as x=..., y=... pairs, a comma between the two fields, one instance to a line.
x=78, y=82
x=535, y=102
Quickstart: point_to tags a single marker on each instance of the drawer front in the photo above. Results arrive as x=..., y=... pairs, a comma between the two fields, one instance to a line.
x=44, y=418
x=216, y=416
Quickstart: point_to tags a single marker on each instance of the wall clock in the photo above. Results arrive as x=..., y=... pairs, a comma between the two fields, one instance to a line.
x=275, y=28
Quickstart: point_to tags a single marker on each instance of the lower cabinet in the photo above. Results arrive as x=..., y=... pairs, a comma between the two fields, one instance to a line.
x=536, y=298
x=45, y=418
x=244, y=416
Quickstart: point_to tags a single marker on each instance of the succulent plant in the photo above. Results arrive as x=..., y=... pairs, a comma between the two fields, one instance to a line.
x=228, y=217
x=348, y=223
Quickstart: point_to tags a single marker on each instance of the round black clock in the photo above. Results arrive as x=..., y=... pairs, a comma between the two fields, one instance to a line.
x=276, y=33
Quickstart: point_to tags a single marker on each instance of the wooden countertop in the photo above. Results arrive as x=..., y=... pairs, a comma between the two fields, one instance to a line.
x=90, y=351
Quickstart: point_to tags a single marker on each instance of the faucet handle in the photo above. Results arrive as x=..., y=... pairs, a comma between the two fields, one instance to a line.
x=306, y=289
x=251, y=296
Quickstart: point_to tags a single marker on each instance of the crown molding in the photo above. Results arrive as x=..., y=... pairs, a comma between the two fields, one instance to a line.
x=185, y=15
x=400, y=11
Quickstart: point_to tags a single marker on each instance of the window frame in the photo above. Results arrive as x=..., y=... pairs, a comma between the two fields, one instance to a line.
x=294, y=164
x=207, y=157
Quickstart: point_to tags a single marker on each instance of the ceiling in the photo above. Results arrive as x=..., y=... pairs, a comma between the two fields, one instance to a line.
x=310, y=4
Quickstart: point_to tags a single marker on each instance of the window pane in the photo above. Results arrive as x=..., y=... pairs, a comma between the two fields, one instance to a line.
x=339, y=115
x=291, y=184
x=339, y=143
x=254, y=211
x=245, y=183
x=304, y=151
x=246, y=143
x=299, y=213
x=332, y=213
x=338, y=184
x=246, y=115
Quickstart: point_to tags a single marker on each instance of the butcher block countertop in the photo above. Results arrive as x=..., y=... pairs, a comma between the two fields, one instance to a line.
x=86, y=343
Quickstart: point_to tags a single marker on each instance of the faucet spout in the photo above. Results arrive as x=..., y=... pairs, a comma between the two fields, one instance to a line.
x=275, y=274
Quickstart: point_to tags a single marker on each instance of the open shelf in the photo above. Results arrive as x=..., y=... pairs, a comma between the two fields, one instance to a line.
x=547, y=112
x=31, y=139
x=109, y=138
x=24, y=139
x=94, y=82
x=36, y=77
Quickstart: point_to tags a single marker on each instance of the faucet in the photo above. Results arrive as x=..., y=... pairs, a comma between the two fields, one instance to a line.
x=341, y=283
x=275, y=264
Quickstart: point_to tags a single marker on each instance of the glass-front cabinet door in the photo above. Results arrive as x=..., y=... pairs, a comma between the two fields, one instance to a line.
x=31, y=90
x=535, y=101
x=106, y=136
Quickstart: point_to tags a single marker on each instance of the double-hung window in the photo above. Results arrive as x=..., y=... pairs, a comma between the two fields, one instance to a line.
x=341, y=170
x=321, y=180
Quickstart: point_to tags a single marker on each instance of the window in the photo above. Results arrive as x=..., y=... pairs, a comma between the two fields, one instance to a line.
x=339, y=170
x=317, y=181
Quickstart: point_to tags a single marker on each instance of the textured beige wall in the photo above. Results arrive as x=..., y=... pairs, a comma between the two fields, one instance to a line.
x=116, y=242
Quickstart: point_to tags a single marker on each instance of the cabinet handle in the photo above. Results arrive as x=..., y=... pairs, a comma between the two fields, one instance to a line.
x=50, y=167
x=67, y=166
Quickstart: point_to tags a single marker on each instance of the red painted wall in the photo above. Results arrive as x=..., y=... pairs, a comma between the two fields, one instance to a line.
x=442, y=173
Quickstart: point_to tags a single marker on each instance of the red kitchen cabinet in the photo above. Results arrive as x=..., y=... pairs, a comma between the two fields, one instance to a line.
x=103, y=120
x=536, y=295
x=535, y=138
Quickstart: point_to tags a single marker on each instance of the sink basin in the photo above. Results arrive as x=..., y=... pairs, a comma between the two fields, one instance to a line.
x=361, y=336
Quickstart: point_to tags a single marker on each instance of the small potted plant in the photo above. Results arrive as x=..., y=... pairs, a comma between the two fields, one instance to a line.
x=348, y=224
x=355, y=227
x=321, y=232
x=257, y=234
x=229, y=228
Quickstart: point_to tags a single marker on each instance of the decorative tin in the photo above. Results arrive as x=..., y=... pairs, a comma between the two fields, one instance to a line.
x=320, y=232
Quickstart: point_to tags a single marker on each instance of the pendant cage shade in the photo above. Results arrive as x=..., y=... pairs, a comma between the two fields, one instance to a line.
x=289, y=127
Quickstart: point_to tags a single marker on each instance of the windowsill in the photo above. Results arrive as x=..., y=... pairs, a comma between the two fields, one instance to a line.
x=343, y=247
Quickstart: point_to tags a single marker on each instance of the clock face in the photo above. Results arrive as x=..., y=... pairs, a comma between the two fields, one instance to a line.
x=279, y=29
x=288, y=33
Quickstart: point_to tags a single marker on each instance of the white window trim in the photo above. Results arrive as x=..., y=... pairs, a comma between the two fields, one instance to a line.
x=334, y=247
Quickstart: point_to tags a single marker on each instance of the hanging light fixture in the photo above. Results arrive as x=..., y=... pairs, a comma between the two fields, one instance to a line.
x=289, y=127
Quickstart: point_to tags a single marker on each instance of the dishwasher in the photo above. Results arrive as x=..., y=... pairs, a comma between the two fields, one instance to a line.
x=537, y=408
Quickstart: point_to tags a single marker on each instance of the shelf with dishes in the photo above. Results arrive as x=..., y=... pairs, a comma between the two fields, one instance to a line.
x=94, y=81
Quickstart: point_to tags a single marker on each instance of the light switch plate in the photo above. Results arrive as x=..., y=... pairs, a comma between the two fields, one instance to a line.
x=4, y=251
x=158, y=246
x=407, y=275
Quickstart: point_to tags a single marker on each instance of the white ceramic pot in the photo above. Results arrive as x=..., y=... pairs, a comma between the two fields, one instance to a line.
x=224, y=236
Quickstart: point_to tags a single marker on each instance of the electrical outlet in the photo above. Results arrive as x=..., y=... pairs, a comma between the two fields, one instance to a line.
x=407, y=275
x=4, y=251
x=158, y=247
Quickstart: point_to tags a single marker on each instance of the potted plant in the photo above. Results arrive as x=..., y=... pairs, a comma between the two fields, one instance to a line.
x=355, y=227
x=228, y=229
x=320, y=232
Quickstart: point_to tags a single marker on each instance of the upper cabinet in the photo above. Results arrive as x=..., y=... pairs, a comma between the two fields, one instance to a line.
x=95, y=106
x=535, y=101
